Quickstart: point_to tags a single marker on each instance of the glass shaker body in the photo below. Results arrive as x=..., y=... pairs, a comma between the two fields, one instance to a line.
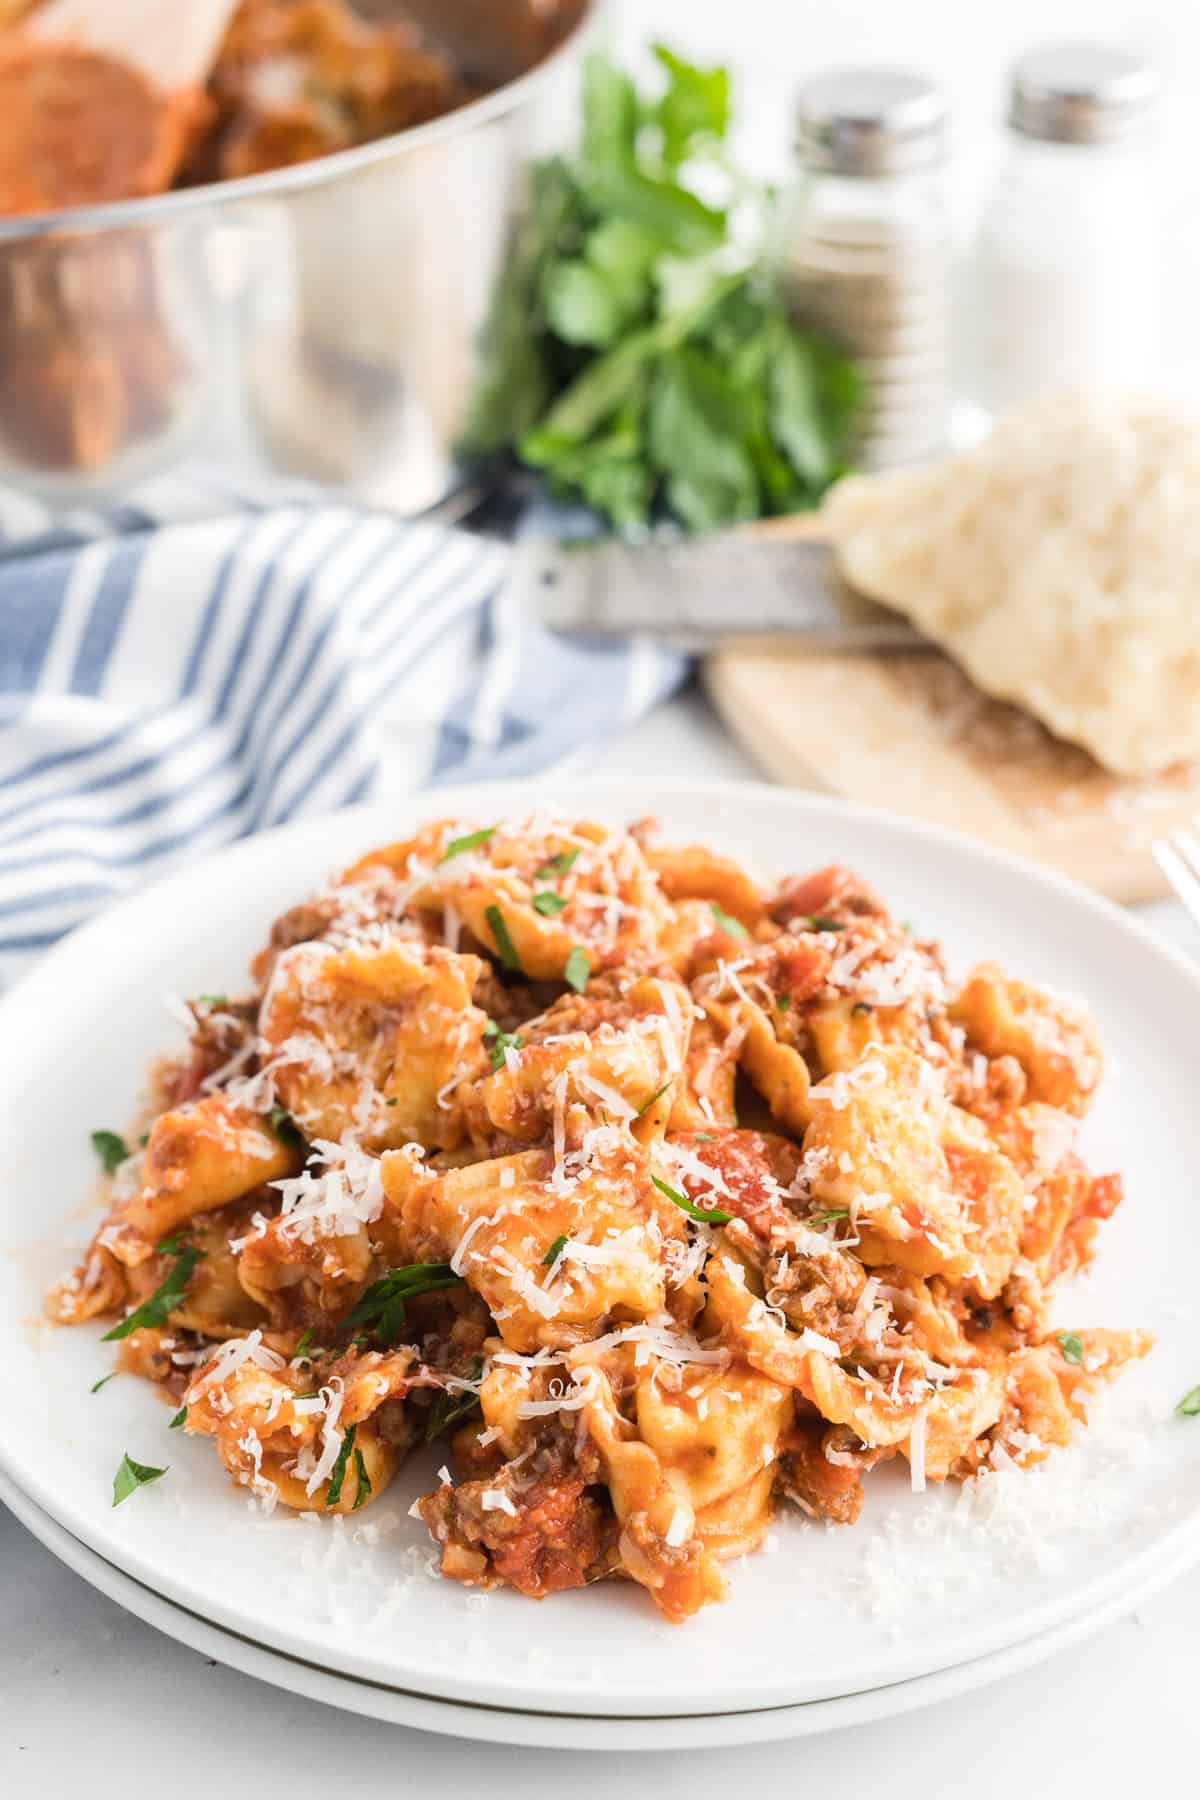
x=865, y=260
x=1062, y=287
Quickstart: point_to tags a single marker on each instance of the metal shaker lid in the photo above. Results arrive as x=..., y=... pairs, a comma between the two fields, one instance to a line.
x=1080, y=93
x=870, y=122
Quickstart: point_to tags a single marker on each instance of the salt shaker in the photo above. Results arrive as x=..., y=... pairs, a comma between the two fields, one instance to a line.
x=864, y=249
x=1062, y=287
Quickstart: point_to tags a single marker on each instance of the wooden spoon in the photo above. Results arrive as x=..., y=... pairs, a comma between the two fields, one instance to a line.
x=173, y=45
x=101, y=99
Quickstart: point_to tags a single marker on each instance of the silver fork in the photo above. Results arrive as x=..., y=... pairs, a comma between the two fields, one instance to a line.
x=1178, y=856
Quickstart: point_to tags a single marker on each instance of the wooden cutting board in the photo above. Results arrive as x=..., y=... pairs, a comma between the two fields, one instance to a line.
x=912, y=734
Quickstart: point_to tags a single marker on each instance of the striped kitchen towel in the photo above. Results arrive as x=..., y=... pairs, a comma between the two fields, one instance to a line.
x=174, y=676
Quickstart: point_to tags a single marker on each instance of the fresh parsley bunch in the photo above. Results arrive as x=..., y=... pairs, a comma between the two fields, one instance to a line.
x=637, y=352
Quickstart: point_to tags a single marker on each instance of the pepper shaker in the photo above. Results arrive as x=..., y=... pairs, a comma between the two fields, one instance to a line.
x=864, y=249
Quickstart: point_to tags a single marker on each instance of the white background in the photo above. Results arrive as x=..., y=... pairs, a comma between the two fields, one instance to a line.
x=91, y=1699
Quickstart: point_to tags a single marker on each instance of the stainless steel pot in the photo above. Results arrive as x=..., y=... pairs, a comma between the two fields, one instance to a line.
x=317, y=322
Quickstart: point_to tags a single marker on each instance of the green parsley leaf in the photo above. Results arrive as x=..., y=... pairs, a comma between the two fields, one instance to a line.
x=697, y=435
x=394, y=1100
x=363, y=1490
x=694, y=110
x=156, y=1310
x=1071, y=1345
x=727, y=922
x=1189, y=1406
x=827, y=1214
x=558, y=865
x=212, y=999
x=305, y=1343
x=714, y=1216
x=178, y=1419
x=818, y=922
x=111, y=1149
x=782, y=1002
x=555, y=1251
x=499, y=1041
x=132, y=1475
x=548, y=903
x=577, y=968
x=104, y=1381
x=861, y=1006
x=585, y=304
x=505, y=948
x=333, y=1492
x=657, y=1095
x=283, y=1125
x=794, y=406
x=450, y=1409
x=144, y=1139
x=382, y=1309
x=471, y=841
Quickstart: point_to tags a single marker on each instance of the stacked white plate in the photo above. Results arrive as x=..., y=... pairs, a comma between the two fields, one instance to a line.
x=928, y=1595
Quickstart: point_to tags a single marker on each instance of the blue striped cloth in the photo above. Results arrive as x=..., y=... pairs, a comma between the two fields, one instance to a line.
x=197, y=666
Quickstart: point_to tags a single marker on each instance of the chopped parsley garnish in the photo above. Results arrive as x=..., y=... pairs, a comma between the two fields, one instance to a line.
x=548, y=903
x=714, y=1216
x=861, y=1006
x=828, y=1214
x=212, y=999
x=130, y=1476
x=283, y=1125
x=305, y=1344
x=394, y=1101
x=647, y=1104
x=1189, y=1406
x=334, y=1491
x=782, y=1002
x=499, y=1041
x=363, y=1490
x=506, y=950
x=450, y=1409
x=156, y=1310
x=558, y=865
x=555, y=1251
x=104, y=1381
x=818, y=922
x=382, y=1309
x=1071, y=1345
x=111, y=1149
x=144, y=1139
x=471, y=841
x=178, y=1419
x=576, y=970
x=727, y=922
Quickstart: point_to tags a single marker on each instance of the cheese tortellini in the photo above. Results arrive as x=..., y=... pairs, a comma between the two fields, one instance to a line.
x=662, y=1195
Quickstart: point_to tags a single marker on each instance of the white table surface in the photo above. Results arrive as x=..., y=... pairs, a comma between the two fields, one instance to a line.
x=93, y=1700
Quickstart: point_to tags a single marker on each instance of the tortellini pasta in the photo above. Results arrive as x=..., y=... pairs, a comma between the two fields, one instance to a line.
x=663, y=1196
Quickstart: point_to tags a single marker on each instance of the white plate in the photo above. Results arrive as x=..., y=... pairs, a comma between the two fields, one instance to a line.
x=1092, y=1529
x=557, y=1731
